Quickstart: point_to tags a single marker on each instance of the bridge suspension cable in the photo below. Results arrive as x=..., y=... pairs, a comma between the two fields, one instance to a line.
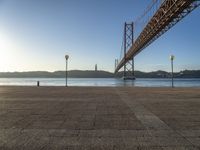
x=148, y=13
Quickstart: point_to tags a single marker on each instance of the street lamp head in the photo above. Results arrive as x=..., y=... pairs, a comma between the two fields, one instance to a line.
x=66, y=57
x=172, y=57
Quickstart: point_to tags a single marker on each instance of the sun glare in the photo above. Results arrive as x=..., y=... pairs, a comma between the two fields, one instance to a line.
x=6, y=54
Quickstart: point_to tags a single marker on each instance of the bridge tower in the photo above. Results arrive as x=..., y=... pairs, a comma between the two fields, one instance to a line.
x=128, y=73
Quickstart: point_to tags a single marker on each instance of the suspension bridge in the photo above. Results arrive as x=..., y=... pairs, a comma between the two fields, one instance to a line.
x=159, y=17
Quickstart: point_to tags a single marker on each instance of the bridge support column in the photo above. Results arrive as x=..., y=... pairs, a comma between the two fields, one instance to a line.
x=128, y=73
x=133, y=68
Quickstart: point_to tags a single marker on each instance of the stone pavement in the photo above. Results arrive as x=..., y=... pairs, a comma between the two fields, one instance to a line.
x=91, y=118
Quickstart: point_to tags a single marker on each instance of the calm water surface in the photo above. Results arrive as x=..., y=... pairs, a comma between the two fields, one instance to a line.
x=111, y=82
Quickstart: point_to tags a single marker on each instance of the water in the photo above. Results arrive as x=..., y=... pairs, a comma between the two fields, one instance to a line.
x=110, y=82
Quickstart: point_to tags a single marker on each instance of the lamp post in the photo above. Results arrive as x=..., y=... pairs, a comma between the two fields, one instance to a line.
x=66, y=57
x=172, y=57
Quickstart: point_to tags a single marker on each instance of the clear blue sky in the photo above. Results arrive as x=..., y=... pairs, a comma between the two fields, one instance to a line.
x=36, y=34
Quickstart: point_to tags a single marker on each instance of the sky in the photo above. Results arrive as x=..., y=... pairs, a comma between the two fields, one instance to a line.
x=35, y=35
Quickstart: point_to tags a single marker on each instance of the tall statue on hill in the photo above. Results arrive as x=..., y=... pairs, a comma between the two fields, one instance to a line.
x=96, y=67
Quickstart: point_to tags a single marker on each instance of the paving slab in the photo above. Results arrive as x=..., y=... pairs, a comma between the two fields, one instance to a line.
x=99, y=118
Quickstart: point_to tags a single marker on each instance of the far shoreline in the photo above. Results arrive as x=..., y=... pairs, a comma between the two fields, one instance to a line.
x=99, y=74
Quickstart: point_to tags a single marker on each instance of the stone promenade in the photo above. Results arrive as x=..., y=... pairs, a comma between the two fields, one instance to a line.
x=99, y=118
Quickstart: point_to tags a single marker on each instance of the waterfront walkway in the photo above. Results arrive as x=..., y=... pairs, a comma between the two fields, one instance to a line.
x=90, y=118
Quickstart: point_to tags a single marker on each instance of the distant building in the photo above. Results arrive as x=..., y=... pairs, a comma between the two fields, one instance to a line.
x=96, y=67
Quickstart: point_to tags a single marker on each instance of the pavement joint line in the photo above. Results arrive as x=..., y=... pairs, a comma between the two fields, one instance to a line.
x=148, y=119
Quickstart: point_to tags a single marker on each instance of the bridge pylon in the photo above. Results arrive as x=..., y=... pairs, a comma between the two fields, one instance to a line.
x=128, y=72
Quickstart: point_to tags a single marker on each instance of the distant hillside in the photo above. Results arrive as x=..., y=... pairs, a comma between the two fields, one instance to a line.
x=156, y=74
x=84, y=74
x=57, y=74
x=189, y=74
x=98, y=74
